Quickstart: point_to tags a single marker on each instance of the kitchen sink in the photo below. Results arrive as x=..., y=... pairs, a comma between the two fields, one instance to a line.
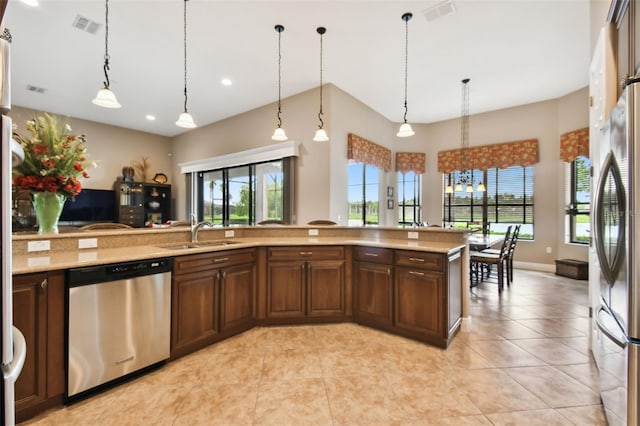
x=198, y=245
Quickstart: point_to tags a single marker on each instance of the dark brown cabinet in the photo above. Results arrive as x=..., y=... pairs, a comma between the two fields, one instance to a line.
x=142, y=204
x=306, y=282
x=425, y=287
x=38, y=312
x=373, y=286
x=212, y=298
x=236, y=304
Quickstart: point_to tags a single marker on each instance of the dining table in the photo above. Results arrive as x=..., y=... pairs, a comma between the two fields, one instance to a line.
x=479, y=242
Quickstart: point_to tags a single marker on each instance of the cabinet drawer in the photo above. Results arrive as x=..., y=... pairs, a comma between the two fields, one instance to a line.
x=306, y=253
x=373, y=254
x=218, y=259
x=137, y=211
x=421, y=260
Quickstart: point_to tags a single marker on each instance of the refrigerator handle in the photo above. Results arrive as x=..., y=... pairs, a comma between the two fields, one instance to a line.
x=19, y=355
x=605, y=330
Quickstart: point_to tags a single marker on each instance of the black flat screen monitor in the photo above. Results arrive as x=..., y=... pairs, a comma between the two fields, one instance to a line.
x=90, y=206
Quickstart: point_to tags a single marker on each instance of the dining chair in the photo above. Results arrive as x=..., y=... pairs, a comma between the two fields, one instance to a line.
x=481, y=262
x=509, y=257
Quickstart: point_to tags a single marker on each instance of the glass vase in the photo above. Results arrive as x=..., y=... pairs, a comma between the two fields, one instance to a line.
x=48, y=206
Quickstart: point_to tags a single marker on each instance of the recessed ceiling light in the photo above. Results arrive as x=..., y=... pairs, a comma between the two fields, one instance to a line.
x=150, y=117
x=32, y=3
x=226, y=82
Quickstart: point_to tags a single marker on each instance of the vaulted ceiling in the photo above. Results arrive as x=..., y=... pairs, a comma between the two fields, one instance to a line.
x=515, y=52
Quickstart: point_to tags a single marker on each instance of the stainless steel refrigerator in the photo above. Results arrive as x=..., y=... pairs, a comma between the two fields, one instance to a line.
x=616, y=343
x=13, y=343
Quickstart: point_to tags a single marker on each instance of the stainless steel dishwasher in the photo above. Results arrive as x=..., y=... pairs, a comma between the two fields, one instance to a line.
x=118, y=322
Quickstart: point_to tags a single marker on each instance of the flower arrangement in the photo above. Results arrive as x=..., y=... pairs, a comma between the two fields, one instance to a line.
x=54, y=159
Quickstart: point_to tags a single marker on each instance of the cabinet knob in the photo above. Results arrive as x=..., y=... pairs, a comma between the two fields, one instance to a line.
x=44, y=284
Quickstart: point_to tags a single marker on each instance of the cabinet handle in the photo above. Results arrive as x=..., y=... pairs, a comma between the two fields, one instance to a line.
x=388, y=272
x=416, y=259
x=371, y=254
x=44, y=284
x=224, y=275
x=220, y=259
x=420, y=274
x=306, y=253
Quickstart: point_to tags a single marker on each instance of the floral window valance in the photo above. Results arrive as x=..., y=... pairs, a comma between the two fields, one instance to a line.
x=574, y=144
x=365, y=151
x=410, y=162
x=501, y=155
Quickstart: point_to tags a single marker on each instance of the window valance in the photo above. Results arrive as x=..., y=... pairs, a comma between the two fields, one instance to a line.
x=410, y=162
x=501, y=155
x=574, y=144
x=365, y=151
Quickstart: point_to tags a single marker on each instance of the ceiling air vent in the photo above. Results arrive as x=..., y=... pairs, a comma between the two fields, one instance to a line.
x=86, y=24
x=438, y=10
x=35, y=89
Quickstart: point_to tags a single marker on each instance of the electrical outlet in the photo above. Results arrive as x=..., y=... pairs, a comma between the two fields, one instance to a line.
x=84, y=243
x=313, y=232
x=412, y=235
x=229, y=234
x=42, y=245
x=548, y=250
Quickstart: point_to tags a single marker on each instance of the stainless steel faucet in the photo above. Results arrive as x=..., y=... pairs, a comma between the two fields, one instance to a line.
x=195, y=226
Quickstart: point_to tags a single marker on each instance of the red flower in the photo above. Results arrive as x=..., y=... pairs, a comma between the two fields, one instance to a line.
x=41, y=149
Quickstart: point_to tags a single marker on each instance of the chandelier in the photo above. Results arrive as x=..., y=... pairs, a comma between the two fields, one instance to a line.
x=465, y=176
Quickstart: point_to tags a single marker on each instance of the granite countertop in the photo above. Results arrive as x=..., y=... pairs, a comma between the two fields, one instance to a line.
x=56, y=260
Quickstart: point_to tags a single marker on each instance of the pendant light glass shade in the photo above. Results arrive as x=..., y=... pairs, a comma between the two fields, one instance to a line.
x=321, y=136
x=448, y=189
x=458, y=187
x=185, y=120
x=105, y=97
x=405, y=129
x=279, y=134
x=481, y=187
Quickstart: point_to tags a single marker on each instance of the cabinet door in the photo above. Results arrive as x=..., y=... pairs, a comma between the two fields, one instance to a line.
x=418, y=301
x=30, y=316
x=286, y=290
x=236, y=287
x=373, y=287
x=325, y=288
x=194, y=311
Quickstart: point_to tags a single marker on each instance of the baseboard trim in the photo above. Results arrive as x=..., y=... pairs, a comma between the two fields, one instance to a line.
x=541, y=267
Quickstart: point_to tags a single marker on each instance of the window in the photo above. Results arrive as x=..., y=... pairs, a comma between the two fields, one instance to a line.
x=578, y=197
x=408, y=198
x=364, y=189
x=247, y=194
x=508, y=200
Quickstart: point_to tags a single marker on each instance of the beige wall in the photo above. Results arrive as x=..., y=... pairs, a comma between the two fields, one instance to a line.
x=321, y=168
x=113, y=147
x=544, y=121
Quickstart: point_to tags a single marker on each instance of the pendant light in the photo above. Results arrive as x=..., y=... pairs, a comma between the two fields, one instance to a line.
x=105, y=97
x=465, y=178
x=321, y=135
x=279, y=134
x=405, y=129
x=185, y=120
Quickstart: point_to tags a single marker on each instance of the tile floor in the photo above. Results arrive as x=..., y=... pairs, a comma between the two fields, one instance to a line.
x=526, y=362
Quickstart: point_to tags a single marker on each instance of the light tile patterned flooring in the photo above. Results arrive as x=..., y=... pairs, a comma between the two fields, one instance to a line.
x=526, y=362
